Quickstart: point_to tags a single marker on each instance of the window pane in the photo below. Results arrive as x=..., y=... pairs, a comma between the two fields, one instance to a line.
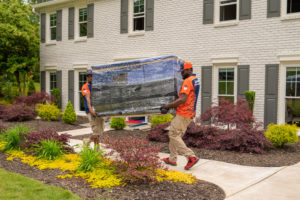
x=228, y=12
x=82, y=81
x=53, y=33
x=83, y=29
x=82, y=14
x=293, y=6
x=53, y=20
x=138, y=24
x=292, y=114
x=291, y=74
x=290, y=88
x=222, y=74
x=230, y=98
x=222, y=87
x=230, y=74
x=230, y=87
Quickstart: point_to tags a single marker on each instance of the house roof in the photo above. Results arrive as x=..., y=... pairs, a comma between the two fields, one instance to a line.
x=50, y=3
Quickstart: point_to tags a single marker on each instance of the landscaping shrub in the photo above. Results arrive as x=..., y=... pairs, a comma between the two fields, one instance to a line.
x=2, y=110
x=49, y=149
x=35, y=98
x=17, y=113
x=282, y=134
x=9, y=91
x=13, y=136
x=157, y=133
x=90, y=158
x=2, y=128
x=48, y=112
x=250, y=97
x=31, y=140
x=117, y=123
x=69, y=115
x=138, y=160
x=31, y=88
x=56, y=93
x=161, y=119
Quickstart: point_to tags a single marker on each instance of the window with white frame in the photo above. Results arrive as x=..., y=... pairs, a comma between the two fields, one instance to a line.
x=292, y=95
x=82, y=80
x=226, y=84
x=82, y=22
x=293, y=6
x=52, y=81
x=138, y=15
x=53, y=26
x=228, y=10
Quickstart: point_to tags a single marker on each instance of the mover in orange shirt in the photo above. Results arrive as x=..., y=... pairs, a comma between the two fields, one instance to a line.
x=185, y=112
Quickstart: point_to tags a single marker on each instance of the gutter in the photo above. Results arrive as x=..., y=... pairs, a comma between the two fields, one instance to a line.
x=49, y=3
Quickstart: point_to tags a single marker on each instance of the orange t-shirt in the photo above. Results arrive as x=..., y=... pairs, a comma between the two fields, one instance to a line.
x=190, y=87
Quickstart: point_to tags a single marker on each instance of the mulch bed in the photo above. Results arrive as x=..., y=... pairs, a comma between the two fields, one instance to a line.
x=167, y=190
x=274, y=158
x=58, y=126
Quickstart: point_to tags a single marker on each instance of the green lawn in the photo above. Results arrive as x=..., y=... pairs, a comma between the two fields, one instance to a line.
x=14, y=186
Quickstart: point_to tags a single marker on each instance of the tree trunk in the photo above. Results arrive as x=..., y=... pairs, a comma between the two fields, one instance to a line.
x=18, y=82
x=24, y=84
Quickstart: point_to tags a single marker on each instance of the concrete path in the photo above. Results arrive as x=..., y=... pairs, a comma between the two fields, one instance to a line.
x=239, y=182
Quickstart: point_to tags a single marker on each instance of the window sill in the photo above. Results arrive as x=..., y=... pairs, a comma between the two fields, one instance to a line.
x=83, y=39
x=137, y=33
x=225, y=24
x=290, y=16
x=50, y=43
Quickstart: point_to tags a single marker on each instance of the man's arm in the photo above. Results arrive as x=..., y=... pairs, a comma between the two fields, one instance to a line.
x=177, y=102
x=88, y=100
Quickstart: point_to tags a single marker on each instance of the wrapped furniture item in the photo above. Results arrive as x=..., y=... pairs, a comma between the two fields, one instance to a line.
x=135, y=87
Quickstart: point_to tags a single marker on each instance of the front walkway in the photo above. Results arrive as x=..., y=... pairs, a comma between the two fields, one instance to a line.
x=238, y=182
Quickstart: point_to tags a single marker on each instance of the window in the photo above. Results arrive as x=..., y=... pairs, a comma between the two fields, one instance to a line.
x=82, y=81
x=292, y=94
x=138, y=15
x=293, y=6
x=226, y=84
x=52, y=81
x=228, y=10
x=82, y=22
x=53, y=26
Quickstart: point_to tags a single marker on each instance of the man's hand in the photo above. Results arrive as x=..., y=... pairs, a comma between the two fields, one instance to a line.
x=164, y=110
x=93, y=113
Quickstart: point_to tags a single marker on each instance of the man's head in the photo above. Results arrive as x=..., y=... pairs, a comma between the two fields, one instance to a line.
x=186, y=69
x=89, y=75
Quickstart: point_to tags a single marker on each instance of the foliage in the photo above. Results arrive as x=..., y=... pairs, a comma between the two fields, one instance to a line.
x=9, y=91
x=27, y=188
x=31, y=88
x=48, y=112
x=56, y=94
x=2, y=110
x=35, y=98
x=117, y=123
x=33, y=139
x=250, y=97
x=13, y=136
x=49, y=149
x=2, y=128
x=281, y=134
x=230, y=115
x=69, y=115
x=19, y=44
x=138, y=160
x=17, y=113
x=90, y=159
x=161, y=119
x=158, y=134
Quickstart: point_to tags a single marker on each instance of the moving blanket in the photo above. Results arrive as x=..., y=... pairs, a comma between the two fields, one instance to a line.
x=135, y=87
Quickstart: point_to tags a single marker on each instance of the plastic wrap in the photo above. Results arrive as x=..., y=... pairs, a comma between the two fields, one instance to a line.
x=135, y=87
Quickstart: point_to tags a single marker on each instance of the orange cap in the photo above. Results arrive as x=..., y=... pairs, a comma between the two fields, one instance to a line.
x=187, y=65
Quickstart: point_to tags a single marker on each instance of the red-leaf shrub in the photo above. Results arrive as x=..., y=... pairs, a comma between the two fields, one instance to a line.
x=230, y=115
x=18, y=113
x=137, y=161
x=35, y=98
x=157, y=133
x=35, y=138
x=2, y=110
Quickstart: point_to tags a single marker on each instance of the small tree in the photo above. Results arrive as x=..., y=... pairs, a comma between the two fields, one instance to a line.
x=56, y=93
x=69, y=115
x=250, y=97
x=31, y=88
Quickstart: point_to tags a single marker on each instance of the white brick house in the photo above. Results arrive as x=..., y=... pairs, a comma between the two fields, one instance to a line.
x=234, y=45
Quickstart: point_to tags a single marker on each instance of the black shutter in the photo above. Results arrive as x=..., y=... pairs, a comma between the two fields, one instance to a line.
x=273, y=8
x=71, y=86
x=71, y=24
x=43, y=81
x=124, y=17
x=59, y=83
x=149, y=15
x=245, y=9
x=206, y=85
x=90, y=18
x=208, y=11
x=43, y=28
x=271, y=94
x=58, y=25
x=243, y=80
